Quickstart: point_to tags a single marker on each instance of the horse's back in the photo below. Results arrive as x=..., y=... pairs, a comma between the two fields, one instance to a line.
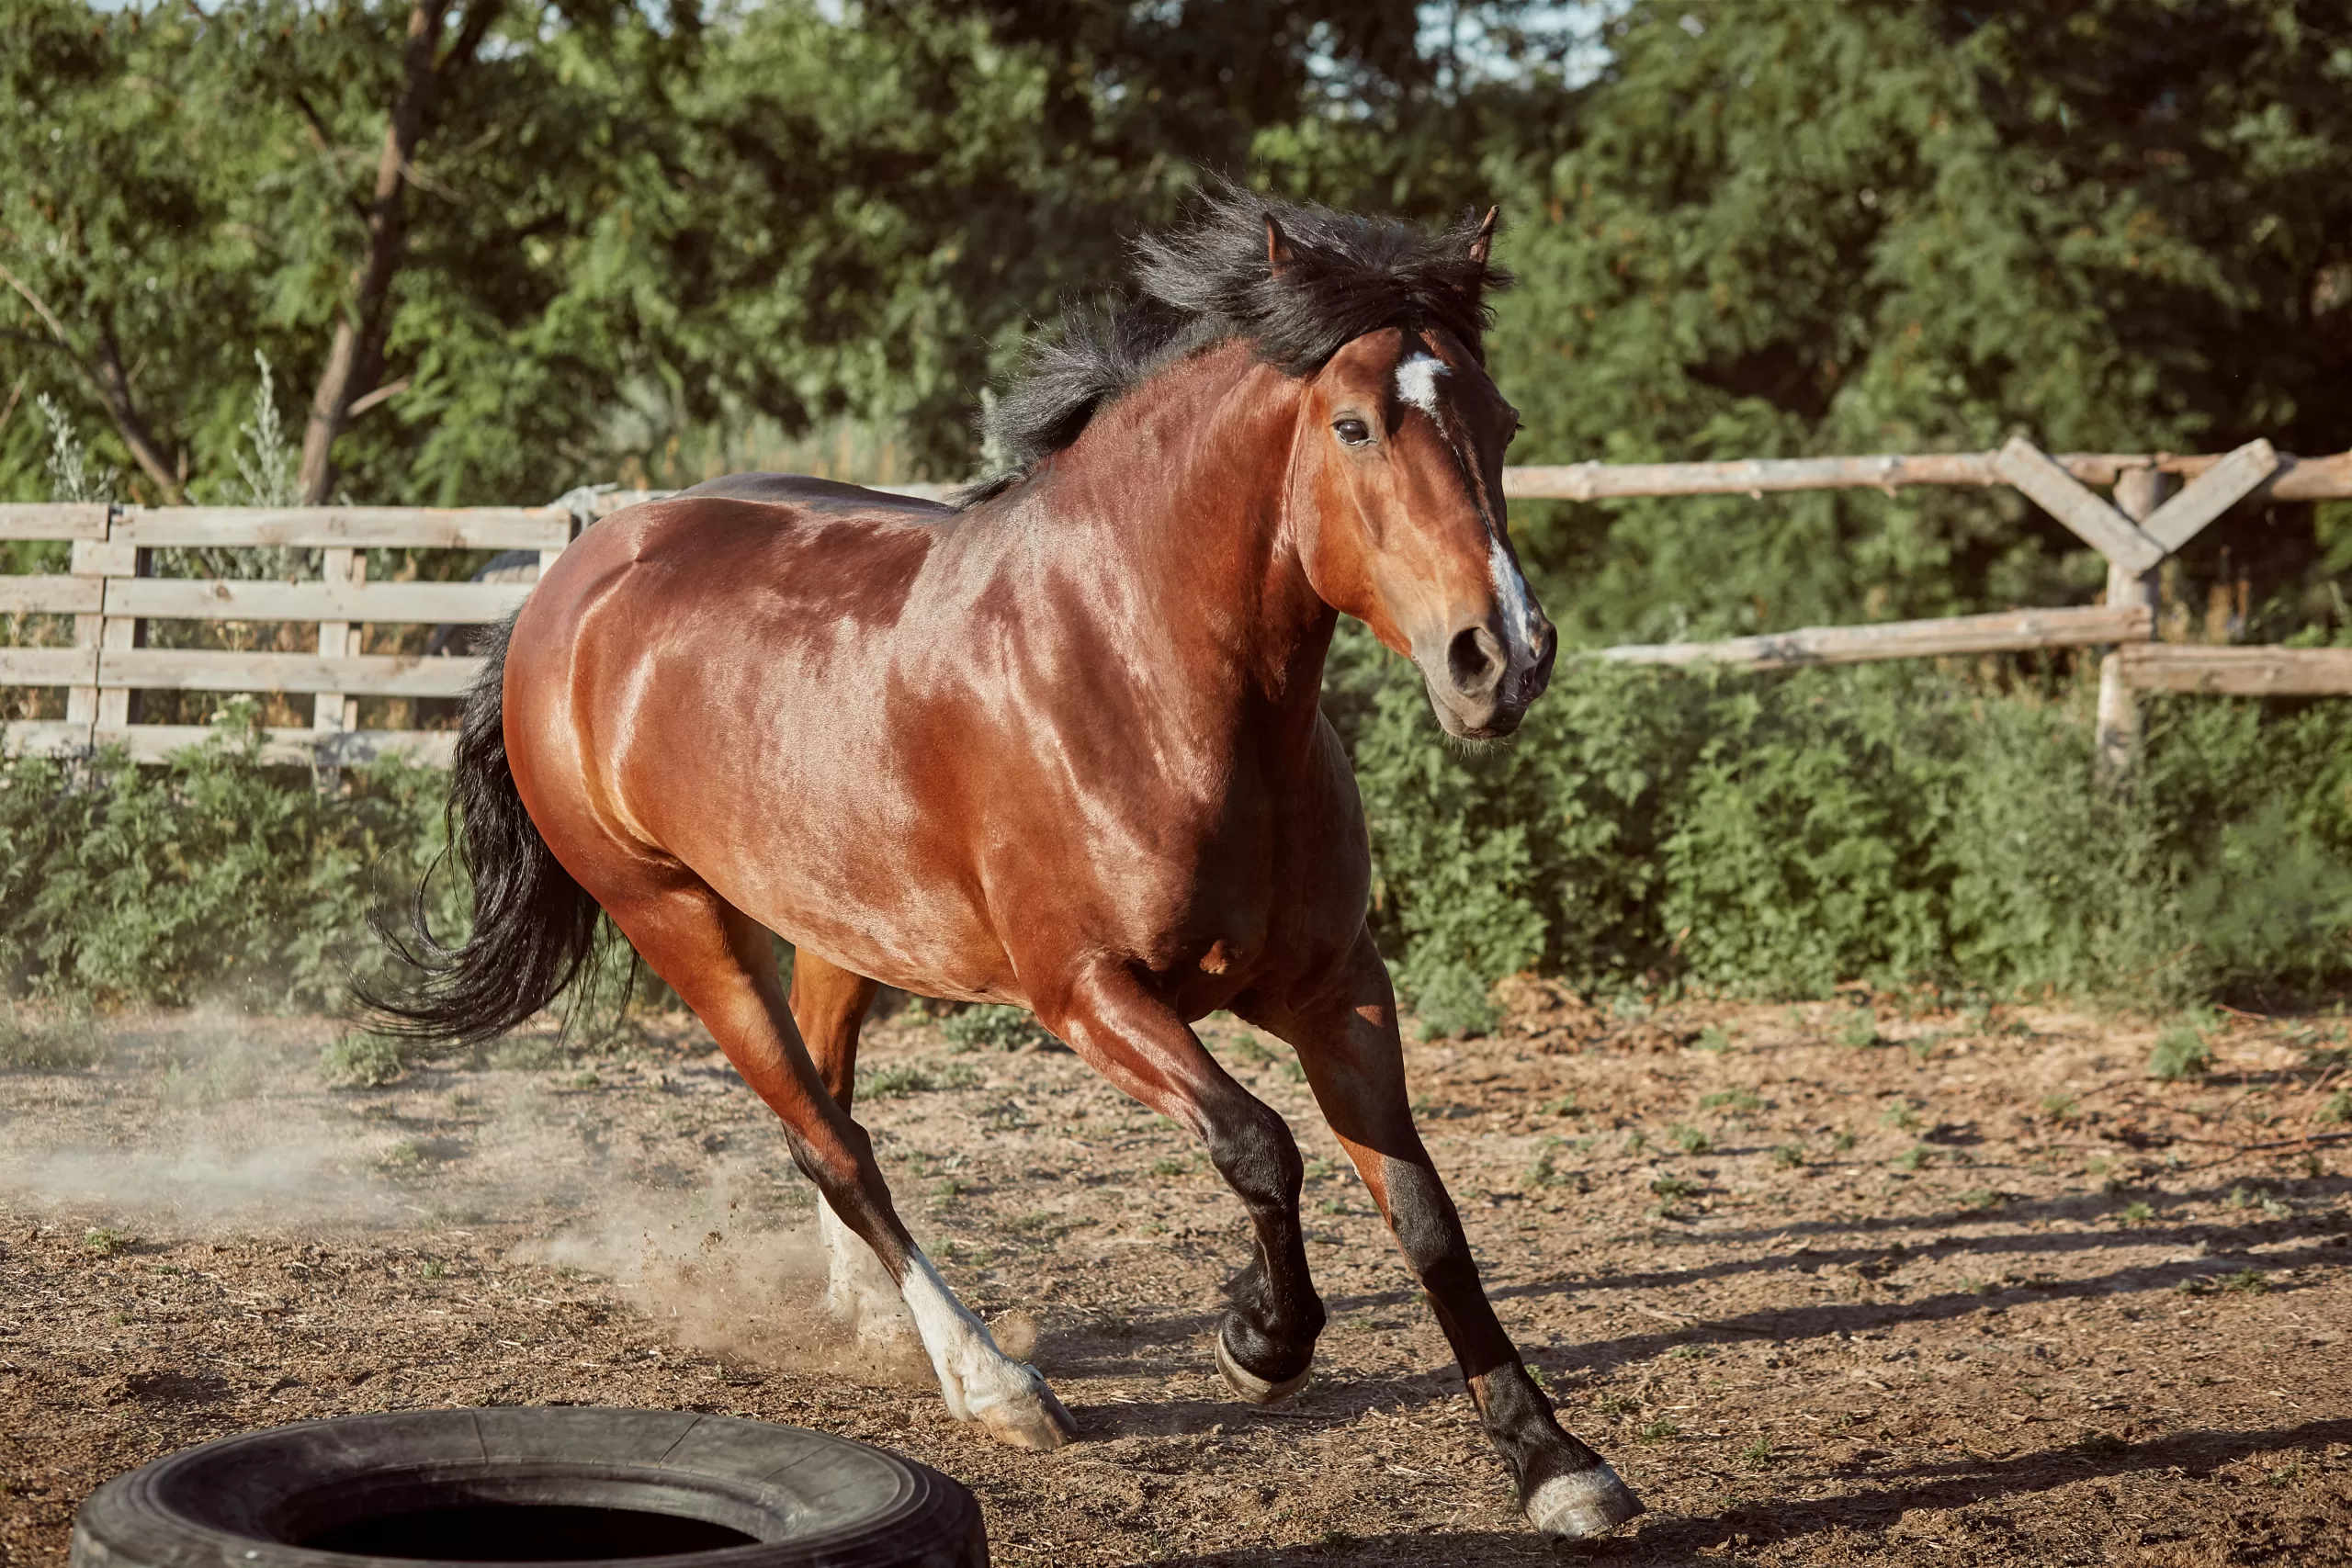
x=807, y=491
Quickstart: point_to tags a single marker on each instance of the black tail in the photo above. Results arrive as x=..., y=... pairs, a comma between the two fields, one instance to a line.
x=534, y=927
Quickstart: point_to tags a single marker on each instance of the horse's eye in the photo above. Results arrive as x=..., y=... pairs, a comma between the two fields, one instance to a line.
x=1352, y=433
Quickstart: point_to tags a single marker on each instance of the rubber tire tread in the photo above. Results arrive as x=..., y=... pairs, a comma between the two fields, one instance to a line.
x=809, y=1499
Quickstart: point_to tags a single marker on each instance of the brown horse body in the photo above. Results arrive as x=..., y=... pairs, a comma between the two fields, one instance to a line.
x=1061, y=748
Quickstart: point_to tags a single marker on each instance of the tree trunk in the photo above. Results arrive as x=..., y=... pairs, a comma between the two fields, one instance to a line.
x=356, y=349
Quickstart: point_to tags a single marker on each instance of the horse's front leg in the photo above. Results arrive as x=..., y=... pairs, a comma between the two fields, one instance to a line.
x=1266, y=1342
x=1345, y=1033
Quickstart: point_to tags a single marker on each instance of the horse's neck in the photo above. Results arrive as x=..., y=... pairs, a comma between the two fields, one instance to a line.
x=1203, y=550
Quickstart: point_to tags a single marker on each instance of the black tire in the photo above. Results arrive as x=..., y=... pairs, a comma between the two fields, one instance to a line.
x=652, y=1488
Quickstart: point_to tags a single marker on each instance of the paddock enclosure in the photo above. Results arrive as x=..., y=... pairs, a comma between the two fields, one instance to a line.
x=111, y=596
x=1843, y=1282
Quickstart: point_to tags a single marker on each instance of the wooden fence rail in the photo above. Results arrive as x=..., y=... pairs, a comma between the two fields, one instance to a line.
x=112, y=597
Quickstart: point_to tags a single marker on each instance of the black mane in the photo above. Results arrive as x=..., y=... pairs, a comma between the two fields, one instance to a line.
x=1347, y=275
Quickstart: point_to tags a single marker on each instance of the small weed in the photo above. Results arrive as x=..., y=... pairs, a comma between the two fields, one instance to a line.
x=432, y=1268
x=2104, y=1445
x=405, y=1155
x=524, y=1054
x=1670, y=1190
x=2336, y=1108
x=2139, y=1212
x=1545, y=1171
x=1690, y=1140
x=2246, y=1282
x=1564, y=1106
x=1249, y=1050
x=947, y=1189
x=1741, y=1100
x=1789, y=1156
x=1613, y=1404
x=2180, y=1052
x=2241, y=1197
x=1691, y=1353
x=2195, y=1288
x=1320, y=1170
x=912, y=1077
x=2061, y=1108
x=48, y=1047
x=994, y=1027
x=1843, y=1141
x=1861, y=1032
x=362, y=1061
x=1979, y=1199
x=1168, y=1165
x=1923, y=1047
x=1916, y=1157
x=1291, y=1070
x=1901, y=1115
x=1635, y=1141
x=104, y=1241
x=1758, y=1454
x=587, y=1080
x=1712, y=1040
x=1658, y=1431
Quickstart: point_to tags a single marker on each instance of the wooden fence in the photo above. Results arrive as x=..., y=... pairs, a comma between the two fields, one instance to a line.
x=112, y=596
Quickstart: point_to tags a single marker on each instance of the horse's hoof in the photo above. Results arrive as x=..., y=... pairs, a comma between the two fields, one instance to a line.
x=1583, y=1503
x=1252, y=1387
x=1040, y=1425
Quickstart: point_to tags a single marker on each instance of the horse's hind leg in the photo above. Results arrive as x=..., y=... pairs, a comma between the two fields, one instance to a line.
x=719, y=960
x=829, y=1003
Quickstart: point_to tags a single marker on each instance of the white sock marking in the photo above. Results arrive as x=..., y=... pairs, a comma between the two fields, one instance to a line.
x=975, y=1377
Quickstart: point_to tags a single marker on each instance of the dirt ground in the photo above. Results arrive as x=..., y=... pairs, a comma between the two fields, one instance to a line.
x=1830, y=1284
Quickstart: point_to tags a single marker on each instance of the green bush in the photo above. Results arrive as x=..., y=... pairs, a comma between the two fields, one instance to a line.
x=216, y=876
x=1777, y=834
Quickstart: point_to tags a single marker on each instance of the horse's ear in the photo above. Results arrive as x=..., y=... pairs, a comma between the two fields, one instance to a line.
x=1481, y=248
x=1277, y=247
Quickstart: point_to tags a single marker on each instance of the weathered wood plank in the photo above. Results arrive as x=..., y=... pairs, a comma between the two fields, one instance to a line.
x=2296, y=479
x=157, y=742
x=35, y=594
x=167, y=598
x=44, y=737
x=361, y=527
x=2057, y=492
x=47, y=666
x=2210, y=494
x=213, y=669
x=2237, y=671
x=2007, y=631
x=53, y=520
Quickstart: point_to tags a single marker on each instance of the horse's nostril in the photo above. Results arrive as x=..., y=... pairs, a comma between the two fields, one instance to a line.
x=1476, y=660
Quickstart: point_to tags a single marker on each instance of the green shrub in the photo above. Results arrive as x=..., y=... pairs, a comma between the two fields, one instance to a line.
x=216, y=876
x=2180, y=1052
x=1777, y=834
x=362, y=1061
x=990, y=1026
x=54, y=1046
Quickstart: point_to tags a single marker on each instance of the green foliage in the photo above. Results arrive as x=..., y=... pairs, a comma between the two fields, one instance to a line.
x=2180, y=1052
x=995, y=1027
x=1776, y=835
x=55, y=1044
x=362, y=1061
x=912, y=1077
x=216, y=878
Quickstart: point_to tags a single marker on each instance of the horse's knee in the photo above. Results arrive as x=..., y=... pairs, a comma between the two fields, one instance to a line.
x=1252, y=1148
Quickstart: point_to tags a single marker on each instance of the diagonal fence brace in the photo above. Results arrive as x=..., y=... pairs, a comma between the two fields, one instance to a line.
x=2059, y=493
x=2215, y=492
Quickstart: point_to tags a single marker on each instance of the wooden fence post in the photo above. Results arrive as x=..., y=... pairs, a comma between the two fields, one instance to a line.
x=2138, y=493
x=96, y=559
x=334, y=711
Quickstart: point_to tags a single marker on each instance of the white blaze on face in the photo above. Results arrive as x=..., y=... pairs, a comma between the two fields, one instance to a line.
x=1417, y=383
x=1417, y=378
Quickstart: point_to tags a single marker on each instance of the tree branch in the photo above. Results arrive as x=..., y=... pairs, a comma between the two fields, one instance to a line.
x=113, y=387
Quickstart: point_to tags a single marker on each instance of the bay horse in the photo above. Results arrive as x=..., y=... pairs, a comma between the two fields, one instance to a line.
x=1058, y=745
